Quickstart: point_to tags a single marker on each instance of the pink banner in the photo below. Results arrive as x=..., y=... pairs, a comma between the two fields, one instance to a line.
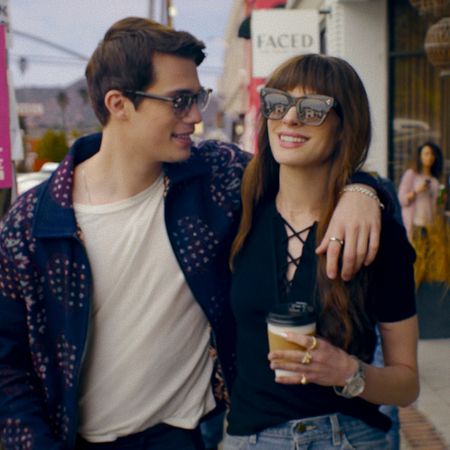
x=5, y=141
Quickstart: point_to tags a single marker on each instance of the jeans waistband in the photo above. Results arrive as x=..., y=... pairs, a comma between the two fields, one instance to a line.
x=328, y=425
x=320, y=423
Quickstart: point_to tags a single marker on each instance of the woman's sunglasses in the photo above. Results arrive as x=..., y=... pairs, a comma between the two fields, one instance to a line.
x=311, y=109
x=181, y=103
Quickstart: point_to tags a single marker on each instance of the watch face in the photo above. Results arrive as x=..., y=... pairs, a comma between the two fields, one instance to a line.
x=355, y=387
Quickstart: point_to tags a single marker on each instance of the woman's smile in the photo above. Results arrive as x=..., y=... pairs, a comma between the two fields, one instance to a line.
x=291, y=139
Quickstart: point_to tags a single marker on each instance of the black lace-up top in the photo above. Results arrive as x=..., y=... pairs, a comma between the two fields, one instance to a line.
x=288, y=263
x=259, y=282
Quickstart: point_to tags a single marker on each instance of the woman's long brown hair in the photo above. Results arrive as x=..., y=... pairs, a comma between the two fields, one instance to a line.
x=343, y=317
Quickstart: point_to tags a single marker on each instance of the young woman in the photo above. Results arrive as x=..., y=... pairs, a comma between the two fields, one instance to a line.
x=315, y=133
x=427, y=231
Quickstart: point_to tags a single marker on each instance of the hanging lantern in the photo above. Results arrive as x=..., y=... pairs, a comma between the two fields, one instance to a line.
x=437, y=45
x=437, y=8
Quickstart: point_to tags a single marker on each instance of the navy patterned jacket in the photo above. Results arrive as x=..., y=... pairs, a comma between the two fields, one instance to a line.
x=46, y=285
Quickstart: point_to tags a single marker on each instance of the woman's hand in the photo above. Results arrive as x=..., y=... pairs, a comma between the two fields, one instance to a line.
x=322, y=364
x=423, y=187
x=410, y=197
x=356, y=222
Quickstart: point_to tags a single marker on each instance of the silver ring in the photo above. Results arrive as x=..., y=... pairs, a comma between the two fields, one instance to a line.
x=338, y=240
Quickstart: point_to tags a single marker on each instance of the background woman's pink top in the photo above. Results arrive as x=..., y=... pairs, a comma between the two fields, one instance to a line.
x=422, y=210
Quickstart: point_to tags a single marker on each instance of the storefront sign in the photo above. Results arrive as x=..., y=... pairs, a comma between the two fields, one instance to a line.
x=279, y=34
x=5, y=143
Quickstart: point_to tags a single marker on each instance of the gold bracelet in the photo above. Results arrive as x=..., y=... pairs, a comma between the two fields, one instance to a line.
x=363, y=190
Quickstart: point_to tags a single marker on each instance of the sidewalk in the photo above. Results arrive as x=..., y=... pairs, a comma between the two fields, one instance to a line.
x=426, y=424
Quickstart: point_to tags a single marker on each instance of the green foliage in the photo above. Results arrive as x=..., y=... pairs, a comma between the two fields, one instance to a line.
x=52, y=146
x=75, y=134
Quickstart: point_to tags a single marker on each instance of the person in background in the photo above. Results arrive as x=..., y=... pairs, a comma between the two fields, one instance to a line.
x=427, y=229
x=315, y=132
x=114, y=276
x=419, y=188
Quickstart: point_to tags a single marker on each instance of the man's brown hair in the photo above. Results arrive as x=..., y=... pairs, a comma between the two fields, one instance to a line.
x=123, y=60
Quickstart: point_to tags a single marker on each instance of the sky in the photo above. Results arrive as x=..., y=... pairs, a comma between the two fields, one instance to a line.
x=80, y=24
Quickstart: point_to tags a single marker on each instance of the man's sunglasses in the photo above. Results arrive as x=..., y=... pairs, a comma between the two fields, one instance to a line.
x=181, y=103
x=311, y=109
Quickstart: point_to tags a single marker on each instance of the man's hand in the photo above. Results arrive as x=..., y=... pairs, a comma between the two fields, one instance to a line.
x=356, y=221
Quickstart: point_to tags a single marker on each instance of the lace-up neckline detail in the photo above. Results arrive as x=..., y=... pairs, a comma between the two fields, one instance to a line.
x=292, y=257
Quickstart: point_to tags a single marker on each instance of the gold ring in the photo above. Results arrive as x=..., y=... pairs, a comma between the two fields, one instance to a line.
x=313, y=346
x=307, y=358
x=303, y=380
x=338, y=240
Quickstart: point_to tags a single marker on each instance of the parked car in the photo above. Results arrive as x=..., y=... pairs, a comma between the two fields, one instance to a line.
x=28, y=180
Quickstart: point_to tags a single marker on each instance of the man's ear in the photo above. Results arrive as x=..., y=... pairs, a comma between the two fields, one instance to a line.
x=118, y=105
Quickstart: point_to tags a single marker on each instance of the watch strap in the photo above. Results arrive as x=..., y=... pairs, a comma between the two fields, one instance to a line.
x=346, y=390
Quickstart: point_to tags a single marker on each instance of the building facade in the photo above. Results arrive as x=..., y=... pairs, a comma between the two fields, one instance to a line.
x=385, y=42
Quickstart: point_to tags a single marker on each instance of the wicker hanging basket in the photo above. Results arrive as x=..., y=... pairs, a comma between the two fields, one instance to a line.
x=437, y=45
x=436, y=8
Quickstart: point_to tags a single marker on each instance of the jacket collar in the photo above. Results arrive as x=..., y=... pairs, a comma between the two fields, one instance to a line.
x=191, y=168
x=55, y=216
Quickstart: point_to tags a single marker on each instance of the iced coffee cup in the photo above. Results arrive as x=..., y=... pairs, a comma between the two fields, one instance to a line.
x=298, y=317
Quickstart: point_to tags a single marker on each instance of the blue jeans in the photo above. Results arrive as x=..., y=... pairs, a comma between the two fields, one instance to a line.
x=212, y=430
x=333, y=432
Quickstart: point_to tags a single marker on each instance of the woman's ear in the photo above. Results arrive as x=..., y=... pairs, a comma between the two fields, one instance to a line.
x=117, y=104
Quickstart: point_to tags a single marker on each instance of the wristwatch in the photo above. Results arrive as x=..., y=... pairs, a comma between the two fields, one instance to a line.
x=354, y=385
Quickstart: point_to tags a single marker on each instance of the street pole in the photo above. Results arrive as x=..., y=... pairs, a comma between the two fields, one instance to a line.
x=151, y=9
x=169, y=13
x=158, y=10
x=6, y=165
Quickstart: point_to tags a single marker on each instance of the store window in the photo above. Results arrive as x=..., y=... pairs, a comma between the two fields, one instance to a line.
x=419, y=95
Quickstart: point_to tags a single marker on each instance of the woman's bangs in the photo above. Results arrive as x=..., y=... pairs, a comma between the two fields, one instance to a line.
x=312, y=74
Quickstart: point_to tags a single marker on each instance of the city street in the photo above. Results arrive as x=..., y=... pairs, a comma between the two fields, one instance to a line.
x=143, y=156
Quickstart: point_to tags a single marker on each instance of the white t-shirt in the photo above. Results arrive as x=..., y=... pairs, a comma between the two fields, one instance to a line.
x=147, y=358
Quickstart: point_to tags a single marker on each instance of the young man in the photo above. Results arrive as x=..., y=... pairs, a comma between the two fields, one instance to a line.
x=114, y=274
